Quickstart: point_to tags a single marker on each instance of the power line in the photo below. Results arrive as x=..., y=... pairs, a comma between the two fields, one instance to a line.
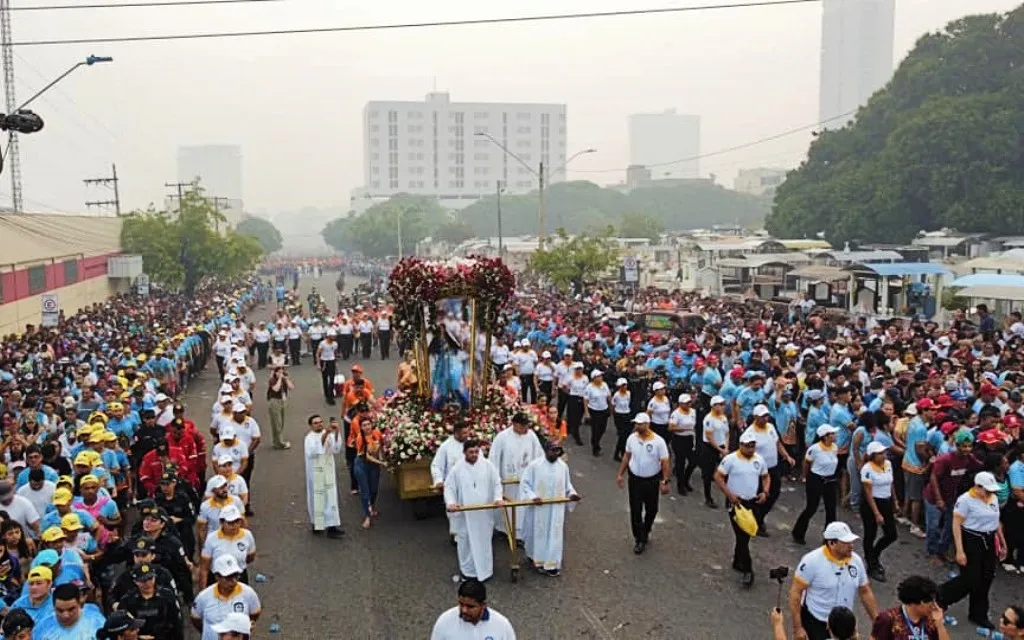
x=135, y=5
x=416, y=25
x=720, y=152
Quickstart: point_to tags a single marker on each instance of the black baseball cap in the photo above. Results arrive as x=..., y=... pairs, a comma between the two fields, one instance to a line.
x=119, y=622
x=16, y=621
x=145, y=544
x=143, y=571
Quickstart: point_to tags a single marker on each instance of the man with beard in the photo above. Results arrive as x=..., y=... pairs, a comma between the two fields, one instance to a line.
x=472, y=618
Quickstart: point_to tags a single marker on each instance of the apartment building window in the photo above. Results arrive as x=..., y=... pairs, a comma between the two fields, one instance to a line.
x=374, y=142
x=374, y=128
x=458, y=117
x=480, y=115
x=392, y=116
x=375, y=170
x=393, y=144
x=481, y=157
x=479, y=129
x=392, y=173
x=37, y=279
x=412, y=184
x=561, y=130
x=393, y=158
x=460, y=145
x=523, y=171
x=416, y=142
x=480, y=144
x=544, y=117
x=392, y=130
x=460, y=159
x=460, y=173
x=70, y=272
x=415, y=115
x=373, y=114
x=451, y=184
x=526, y=156
x=522, y=116
x=522, y=144
x=523, y=130
x=375, y=184
x=415, y=128
x=393, y=183
x=374, y=156
x=459, y=184
x=481, y=171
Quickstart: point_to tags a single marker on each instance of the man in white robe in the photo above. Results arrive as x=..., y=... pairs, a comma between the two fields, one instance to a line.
x=543, y=528
x=446, y=457
x=471, y=482
x=321, y=445
x=511, y=452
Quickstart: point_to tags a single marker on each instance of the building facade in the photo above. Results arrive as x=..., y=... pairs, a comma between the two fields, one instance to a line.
x=219, y=169
x=761, y=181
x=856, y=56
x=435, y=147
x=660, y=138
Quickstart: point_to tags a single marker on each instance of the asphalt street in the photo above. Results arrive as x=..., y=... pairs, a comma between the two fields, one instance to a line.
x=393, y=580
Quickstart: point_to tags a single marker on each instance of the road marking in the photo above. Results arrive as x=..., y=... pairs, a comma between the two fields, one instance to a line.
x=596, y=624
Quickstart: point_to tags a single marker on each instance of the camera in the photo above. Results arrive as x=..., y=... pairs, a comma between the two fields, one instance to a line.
x=21, y=121
x=778, y=573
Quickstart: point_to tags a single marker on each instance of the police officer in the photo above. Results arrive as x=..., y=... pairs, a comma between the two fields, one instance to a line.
x=172, y=498
x=155, y=606
x=143, y=551
x=168, y=549
x=118, y=626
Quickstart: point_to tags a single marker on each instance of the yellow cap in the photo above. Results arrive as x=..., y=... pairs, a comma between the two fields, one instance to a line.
x=96, y=436
x=83, y=458
x=40, y=573
x=141, y=358
x=71, y=522
x=65, y=480
x=109, y=436
x=114, y=406
x=53, y=534
x=97, y=417
x=89, y=479
x=62, y=496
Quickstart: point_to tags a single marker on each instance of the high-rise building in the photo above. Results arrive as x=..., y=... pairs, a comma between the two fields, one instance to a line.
x=219, y=169
x=432, y=148
x=660, y=138
x=856, y=56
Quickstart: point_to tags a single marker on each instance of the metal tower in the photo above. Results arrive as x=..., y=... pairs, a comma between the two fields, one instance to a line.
x=13, y=160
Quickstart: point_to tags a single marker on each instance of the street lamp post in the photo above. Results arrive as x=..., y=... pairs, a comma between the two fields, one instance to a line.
x=501, y=245
x=542, y=177
x=88, y=62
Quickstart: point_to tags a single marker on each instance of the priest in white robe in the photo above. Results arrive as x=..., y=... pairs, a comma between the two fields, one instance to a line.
x=320, y=447
x=511, y=452
x=445, y=459
x=544, y=525
x=473, y=481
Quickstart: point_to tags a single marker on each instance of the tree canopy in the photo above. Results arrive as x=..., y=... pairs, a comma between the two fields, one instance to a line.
x=375, y=232
x=640, y=225
x=263, y=230
x=572, y=261
x=939, y=146
x=180, y=249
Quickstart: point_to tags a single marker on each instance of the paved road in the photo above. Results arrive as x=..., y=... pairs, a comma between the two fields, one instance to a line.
x=393, y=580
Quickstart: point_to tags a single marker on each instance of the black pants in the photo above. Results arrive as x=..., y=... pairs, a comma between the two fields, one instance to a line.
x=872, y=549
x=546, y=389
x=345, y=342
x=816, y=629
x=975, y=579
x=662, y=430
x=623, y=427
x=598, y=424
x=261, y=354
x=327, y=373
x=563, y=400
x=220, y=366
x=817, y=488
x=709, y=459
x=741, y=560
x=248, y=475
x=574, y=415
x=384, y=340
x=527, y=391
x=314, y=346
x=1013, y=530
x=643, y=505
x=295, y=351
x=774, y=489
x=686, y=458
x=366, y=342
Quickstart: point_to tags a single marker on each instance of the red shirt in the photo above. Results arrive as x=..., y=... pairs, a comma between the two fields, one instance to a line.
x=152, y=467
x=952, y=470
x=187, y=444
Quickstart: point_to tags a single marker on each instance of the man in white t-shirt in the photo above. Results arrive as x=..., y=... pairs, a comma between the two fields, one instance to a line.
x=38, y=491
x=19, y=508
x=646, y=461
x=472, y=618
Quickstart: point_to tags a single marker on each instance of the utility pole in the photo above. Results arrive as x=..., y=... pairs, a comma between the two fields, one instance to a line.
x=401, y=212
x=501, y=245
x=542, y=205
x=216, y=207
x=111, y=181
x=180, y=186
x=7, y=58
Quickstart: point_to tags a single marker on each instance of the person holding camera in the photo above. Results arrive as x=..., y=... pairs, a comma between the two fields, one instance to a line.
x=277, y=400
x=828, y=577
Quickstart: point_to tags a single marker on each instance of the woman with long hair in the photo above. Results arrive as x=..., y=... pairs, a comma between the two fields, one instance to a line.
x=878, y=509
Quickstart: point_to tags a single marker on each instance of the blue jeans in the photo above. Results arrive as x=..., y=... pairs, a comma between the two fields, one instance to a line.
x=939, y=527
x=368, y=479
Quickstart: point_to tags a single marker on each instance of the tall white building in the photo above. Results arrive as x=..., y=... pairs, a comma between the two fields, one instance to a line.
x=432, y=148
x=657, y=138
x=856, y=56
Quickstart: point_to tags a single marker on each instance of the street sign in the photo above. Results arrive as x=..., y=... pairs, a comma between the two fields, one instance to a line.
x=51, y=310
x=631, y=269
x=142, y=284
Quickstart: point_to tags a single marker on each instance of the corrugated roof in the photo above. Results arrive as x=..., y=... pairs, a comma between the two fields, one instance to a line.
x=903, y=269
x=863, y=256
x=802, y=244
x=755, y=260
x=820, y=272
x=938, y=241
x=989, y=280
x=993, y=292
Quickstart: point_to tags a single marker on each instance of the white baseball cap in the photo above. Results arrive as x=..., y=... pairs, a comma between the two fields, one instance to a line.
x=238, y=407
x=717, y=400
x=216, y=482
x=621, y=381
x=226, y=388
x=986, y=481
x=596, y=373
x=225, y=459
x=685, y=398
x=234, y=623
x=826, y=429
x=658, y=386
x=226, y=565
x=227, y=432
x=545, y=354
x=747, y=436
x=160, y=397
x=567, y=352
x=761, y=410
x=642, y=418
x=230, y=513
x=876, y=447
x=577, y=365
x=839, y=531
x=507, y=367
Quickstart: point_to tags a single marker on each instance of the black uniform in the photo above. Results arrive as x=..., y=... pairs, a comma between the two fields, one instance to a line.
x=125, y=584
x=180, y=506
x=161, y=613
x=171, y=554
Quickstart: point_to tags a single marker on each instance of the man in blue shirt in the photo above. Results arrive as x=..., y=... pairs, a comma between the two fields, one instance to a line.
x=67, y=621
x=915, y=461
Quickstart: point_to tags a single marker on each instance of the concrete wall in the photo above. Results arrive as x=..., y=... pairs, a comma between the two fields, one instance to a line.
x=65, y=255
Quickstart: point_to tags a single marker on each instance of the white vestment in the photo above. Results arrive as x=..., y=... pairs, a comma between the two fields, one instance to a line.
x=448, y=454
x=511, y=453
x=472, y=484
x=321, y=487
x=543, y=525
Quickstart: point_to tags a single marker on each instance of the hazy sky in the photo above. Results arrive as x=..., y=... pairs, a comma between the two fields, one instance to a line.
x=294, y=102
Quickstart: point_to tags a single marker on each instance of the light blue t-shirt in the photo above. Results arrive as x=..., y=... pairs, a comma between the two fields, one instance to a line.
x=1016, y=475
x=916, y=432
x=85, y=629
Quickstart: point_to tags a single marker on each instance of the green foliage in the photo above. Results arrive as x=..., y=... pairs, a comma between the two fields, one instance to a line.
x=640, y=225
x=263, y=230
x=585, y=207
x=179, y=250
x=453, y=232
x=374, y=233
x=576, y=260
x=938, y=147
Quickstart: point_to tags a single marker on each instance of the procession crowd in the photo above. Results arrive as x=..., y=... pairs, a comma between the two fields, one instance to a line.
x=111, y=522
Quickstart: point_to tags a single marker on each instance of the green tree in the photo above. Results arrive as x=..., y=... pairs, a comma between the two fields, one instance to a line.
x=640, y=225
x=263, y=230
x=577, y=259
x=939, y=146
x=453, y=232
x=180, y=249
x=375, y=232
